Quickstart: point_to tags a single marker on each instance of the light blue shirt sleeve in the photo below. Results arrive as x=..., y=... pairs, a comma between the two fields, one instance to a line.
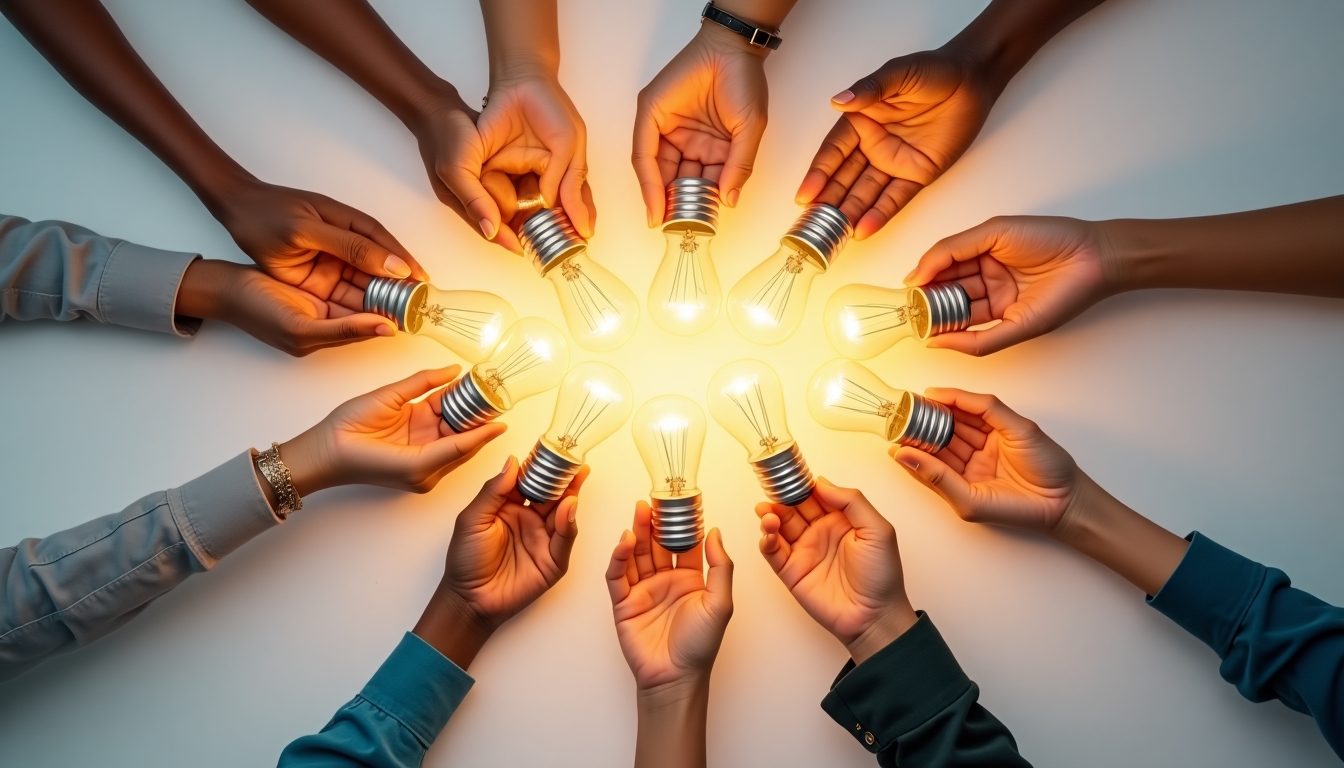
x=392, y=722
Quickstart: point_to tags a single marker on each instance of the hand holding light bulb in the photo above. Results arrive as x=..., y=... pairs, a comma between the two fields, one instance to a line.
x=593, y=402
x=530, y=358
x=669, y=432
x=469, y=323
x=745, y=397
x=684, y=297
x=847, y=396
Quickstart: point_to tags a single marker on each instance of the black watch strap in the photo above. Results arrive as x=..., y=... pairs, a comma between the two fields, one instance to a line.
x=761, y=38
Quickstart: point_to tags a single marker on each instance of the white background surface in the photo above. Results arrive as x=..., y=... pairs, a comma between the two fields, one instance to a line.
x=1212, y=411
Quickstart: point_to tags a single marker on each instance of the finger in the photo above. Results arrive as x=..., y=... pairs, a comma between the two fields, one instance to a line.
x=897, y=194
x=692, y=559
x=986, y=342
x=571, y=190
x=852, y=502
x=936, y=475
x=810, y=510
x=481, y=511
x=399, y=393
x=963, y=246
x=463, y=179
x=575, y=485
x=566, y=531
x=959, y=447
x=741, y=158
x=719, y=580
x=359, y=251
x=644, y=564
x=837, y=189
x=644, y=157
x=835, y=149
x=774, y=548
x=617, y=583
x=886, y=82
x=310, y=333
x=987, y=407
x=456, y=448
x=791, y=524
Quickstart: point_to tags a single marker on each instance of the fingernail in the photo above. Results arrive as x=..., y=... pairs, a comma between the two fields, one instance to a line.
x=396, y=266
x=843, y=97
x=732, y=198
x=572, y=509
x=386, y=330
x=488, y=229
x=909, y=462
x=505, y=468
x=906, y=280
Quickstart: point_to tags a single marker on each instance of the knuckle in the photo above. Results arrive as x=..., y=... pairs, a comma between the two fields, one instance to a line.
x=358, y=251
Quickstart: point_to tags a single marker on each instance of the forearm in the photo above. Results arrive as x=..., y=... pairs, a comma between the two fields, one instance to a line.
x=1144, y=553
x=356, y=40
x=1005, y=36
x=523, y=37
x=672, y=721
x=1295, y=248
x=84, y=44
x=452, y=628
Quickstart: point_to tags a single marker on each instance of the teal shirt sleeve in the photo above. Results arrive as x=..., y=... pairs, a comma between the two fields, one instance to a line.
x=392, y=722
x=1276, y=642
x=912, y=705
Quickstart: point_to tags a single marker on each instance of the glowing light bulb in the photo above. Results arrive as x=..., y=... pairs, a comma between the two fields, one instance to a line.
x=600, y=311
x=864, y=320
x=467, y=322
x=746, y=399
x=845, y=395
x=531, y=357
x=767, y=304
x=593, y=402
x=669, y=432
x=684, y=297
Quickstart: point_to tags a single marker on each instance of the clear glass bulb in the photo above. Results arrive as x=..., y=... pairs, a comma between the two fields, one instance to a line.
x=593, y=402
x=864, y=320
x=669, y=432
x=599, y=309
x=685, y=295
x=847, y=396
x=469, y=323
x=530, y=358
x=766, y=306
x=745, y=397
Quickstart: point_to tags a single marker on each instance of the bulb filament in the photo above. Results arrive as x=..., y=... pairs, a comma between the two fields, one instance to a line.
x=524, y=359
x=773, y=297
x=876, y=318
x=672, y=448
x=588, y=412
x=757, y=415
x=470, y=323
x=598, y=312
x=847, y=395
x=688, y=285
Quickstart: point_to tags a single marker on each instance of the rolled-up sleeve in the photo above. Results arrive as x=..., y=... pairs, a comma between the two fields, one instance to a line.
x=395, y=719
x=67, y=590
x=53, y=270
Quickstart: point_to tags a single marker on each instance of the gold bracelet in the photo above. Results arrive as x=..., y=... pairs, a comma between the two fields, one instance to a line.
x=277, y=476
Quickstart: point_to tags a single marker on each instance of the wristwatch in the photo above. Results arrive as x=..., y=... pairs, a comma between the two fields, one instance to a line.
x=761, y=38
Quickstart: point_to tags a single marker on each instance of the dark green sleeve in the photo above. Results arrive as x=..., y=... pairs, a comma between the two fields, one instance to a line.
x=912, y=705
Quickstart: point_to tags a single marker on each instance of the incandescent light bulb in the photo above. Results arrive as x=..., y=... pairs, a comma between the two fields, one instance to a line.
x=593, y=402
x=746, y=399
x=669, y=432
x=530, y=358
x=685, y=295
x=864, y=320
x=467, y=322
x=847, y=396
x=766, y=306
x=600, y=311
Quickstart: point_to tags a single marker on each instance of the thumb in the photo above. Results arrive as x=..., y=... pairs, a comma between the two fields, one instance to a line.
x=882, y=84
x=936, y=475
x=482, y=212
x=455, y=447
x=719, y=582
x=980, y=343
x=852, y=502
x=481, y=510
x=353, y=248
x=311, y=332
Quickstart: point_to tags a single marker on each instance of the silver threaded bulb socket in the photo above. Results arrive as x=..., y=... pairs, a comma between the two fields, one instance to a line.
x=465, y=407
x=785, y=477
x=396, y=300
x=548, y=238
x=544, y=474
x=821, y=230
x=941, y=308
x=678, y=524
x=928, y=425
x=693, y=203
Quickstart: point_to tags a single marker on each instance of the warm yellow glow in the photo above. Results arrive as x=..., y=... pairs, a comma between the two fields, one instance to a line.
x=593, y=402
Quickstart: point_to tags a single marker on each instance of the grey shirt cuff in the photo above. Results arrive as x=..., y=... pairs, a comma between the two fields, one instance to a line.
x=139, y=289
x=221, y=510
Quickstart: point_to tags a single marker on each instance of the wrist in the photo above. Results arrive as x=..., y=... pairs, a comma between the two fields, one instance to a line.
x=303, y=456
x=888, y=626
x=1132, y=256
x=453, y=627
x=718, y=38
x=416, y=110
x=203, y=287
x=672, y=722
x=524, y=65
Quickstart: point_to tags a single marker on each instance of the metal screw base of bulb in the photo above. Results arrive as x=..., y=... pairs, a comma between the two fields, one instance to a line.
x=464, y=406
x=544, y=474
x=394, y=299
x=785, y=477
x=692, y=202
x=548, y=238
x=822, y=230
x=929, y=427
x=678, y=524
x=946, y=308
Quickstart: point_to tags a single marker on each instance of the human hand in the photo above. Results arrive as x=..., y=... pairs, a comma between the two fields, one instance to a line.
x=387, y=438
x=999, y=468
x=298, y=236
x=702, y=115
x=903, y=126
x=292, y=320
x=1034, y=273
x=837, y=556
x=670, y=619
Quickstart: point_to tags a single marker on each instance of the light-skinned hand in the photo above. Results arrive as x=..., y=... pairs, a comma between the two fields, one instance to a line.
x=837, y=556
x=903, y=126
x=1033, y=273
x=291, y=234
x=670, y=616
x=389, y=437
x=703, y=115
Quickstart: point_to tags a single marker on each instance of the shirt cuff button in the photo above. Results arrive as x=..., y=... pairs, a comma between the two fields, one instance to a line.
x=868, y=738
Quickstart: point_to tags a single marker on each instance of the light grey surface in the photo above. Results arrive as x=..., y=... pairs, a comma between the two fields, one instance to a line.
x=1210, y=411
